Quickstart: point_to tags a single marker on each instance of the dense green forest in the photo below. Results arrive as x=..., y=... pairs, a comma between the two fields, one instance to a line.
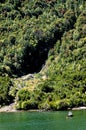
x=45, y=39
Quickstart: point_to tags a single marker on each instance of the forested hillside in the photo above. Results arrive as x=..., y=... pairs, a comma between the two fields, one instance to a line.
x=45, y=39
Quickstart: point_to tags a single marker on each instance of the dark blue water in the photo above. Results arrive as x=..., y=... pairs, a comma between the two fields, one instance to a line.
x=43, y=121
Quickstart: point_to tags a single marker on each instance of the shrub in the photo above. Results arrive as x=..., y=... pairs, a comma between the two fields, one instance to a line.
x=23, y=95
x=5, y=85
x=44, y=105
x=46, y=87
x=62, y=105
x=26, y=105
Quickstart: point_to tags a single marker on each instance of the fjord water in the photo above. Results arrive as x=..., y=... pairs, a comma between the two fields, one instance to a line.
x=43, y=121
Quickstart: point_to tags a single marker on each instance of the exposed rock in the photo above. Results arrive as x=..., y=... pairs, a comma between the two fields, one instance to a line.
x=79, y=108
x=9, y=108
x=29, y=76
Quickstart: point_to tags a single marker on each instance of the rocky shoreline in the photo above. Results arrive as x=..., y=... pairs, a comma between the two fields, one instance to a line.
x=11, y=108
x=79, y=108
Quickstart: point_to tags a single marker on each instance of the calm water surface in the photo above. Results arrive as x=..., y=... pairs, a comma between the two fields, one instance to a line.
x=43, y=121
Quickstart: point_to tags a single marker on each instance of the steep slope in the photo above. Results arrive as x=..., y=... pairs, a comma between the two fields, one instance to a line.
x=47, y=38
x=64, y=82
x=28, y=31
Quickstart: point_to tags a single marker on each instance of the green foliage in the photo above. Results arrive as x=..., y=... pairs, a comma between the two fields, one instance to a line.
x=49, y=33
x=5, y=85
x=28, y=31
x=26, y=105
x=25, y=100
x=46, y=87
x=23, y=95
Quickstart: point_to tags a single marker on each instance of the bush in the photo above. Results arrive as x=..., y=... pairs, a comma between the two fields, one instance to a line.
x=23, y=95
x=5, y=85
x=44, y=105
x=62, y=105
x=46, y=87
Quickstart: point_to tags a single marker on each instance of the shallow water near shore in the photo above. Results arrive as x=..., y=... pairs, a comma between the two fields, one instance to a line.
x=43, y=121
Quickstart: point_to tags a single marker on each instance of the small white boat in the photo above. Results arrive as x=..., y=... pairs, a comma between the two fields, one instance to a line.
x=70, y=114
